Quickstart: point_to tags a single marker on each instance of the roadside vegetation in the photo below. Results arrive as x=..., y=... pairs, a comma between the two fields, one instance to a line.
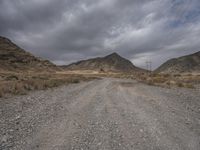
x=170, y=80
x=163, y=80
x=21, y=83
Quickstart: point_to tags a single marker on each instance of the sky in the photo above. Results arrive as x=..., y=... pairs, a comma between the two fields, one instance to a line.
x=65, y=31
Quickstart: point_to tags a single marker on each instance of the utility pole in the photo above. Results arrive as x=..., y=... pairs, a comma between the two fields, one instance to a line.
x=149, y=66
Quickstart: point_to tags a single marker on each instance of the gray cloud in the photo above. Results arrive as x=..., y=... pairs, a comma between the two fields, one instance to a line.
x=67, y=30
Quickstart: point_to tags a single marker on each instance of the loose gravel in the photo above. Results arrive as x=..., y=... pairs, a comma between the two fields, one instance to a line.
x=107, y=114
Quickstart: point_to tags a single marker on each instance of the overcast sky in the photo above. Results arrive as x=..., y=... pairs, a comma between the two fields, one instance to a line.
x=65, y=31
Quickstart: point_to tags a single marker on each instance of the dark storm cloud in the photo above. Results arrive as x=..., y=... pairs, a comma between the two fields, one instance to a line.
x=69, y=30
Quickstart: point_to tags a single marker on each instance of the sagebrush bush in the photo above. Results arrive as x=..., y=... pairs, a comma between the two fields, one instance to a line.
x=19, y=88
x=188, y=85
x=159, y=79
x=75, y=81
x=179, y=84
x=177, y=75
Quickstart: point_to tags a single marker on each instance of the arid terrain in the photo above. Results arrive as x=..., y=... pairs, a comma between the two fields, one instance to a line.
x=185, y=64
x=102, y=114
x=100, y=75
x=110, y=63
x=101, y=103
x=21, y=71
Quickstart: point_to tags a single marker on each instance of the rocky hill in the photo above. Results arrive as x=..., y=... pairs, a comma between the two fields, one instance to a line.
x=184, y=64
x=13, y=58
x=111, y=63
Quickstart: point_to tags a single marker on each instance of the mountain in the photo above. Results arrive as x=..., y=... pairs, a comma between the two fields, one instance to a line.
x=184, y=64
x=13, y=58
x=111, y=63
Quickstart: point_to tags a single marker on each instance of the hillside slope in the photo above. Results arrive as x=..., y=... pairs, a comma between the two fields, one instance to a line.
x=110, y=63
x=13, y=58
x=184, y=64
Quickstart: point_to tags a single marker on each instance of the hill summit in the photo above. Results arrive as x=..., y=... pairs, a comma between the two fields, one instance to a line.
x=110, y=63
x=13, y=58
x=184, y=64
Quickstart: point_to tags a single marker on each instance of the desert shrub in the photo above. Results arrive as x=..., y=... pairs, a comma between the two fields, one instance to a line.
x=150, y=82
x=53, y=83
x=19, y=88
x=31, y=84
x=189, y=74
x=159, y=80
x=143, y=78
x=188, y=85
x=168, y=83
x=179, y=84
x=28, y=87
x=142, y=73
x=153, y=75
x=12, y=77
x=185, y=85
x=166, y=75
x=177, y=75
x=75, y=81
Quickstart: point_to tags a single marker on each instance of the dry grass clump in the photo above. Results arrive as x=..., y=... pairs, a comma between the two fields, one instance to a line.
x=18, y=88
x=189, y=85
x=177, y=75
x=179, y=84
x=159, y=79
x=184, y=85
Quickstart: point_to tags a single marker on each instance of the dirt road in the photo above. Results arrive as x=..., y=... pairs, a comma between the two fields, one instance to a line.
x=108, y=114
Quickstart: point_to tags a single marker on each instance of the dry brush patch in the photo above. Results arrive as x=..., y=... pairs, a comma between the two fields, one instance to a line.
x=163, y=80
x=170, y=80
x=21, y=83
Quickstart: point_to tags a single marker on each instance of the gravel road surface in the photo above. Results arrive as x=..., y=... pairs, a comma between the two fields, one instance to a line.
x=107, y=114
